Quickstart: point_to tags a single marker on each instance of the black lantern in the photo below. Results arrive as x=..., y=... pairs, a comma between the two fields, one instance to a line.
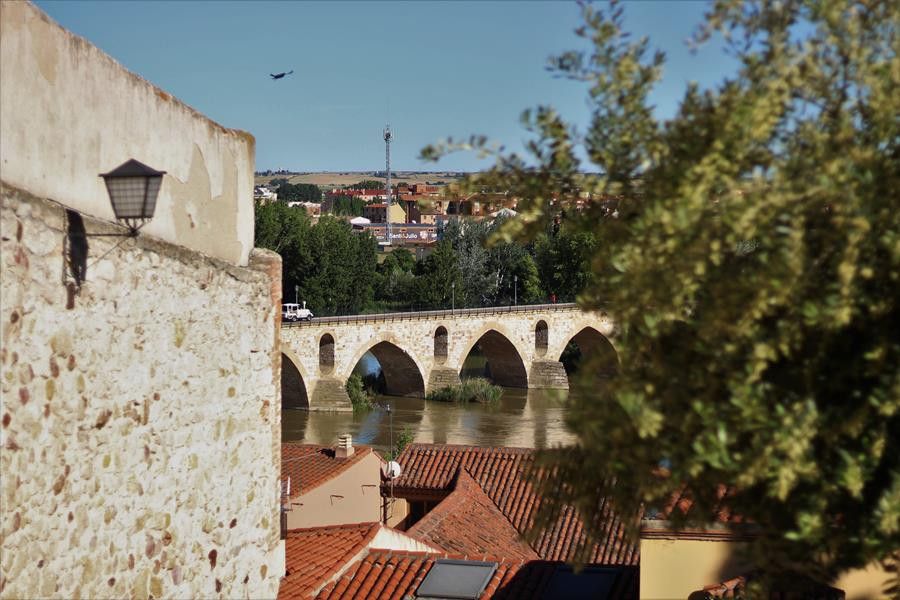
x=133, y=188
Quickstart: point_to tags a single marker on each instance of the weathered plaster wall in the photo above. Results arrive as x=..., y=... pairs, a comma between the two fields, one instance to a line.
x=353, y=496
x=413, y=339
x=673, y=568
x=69, y=112
x=140, y=439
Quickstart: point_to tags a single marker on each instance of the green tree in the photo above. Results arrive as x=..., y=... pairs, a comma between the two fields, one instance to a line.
x=348, y=206
x=436, y=277
x=367, y=184
x=333, y=266
x=396, y=279
x=299, y=192
x=479, y=282
x=279, y=227
x=564, y=262
x=749, y=251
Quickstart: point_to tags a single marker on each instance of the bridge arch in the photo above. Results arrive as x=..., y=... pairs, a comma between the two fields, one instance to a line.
x=402, y=372
x=506, y=365
x=593, y=346
x=293, y=382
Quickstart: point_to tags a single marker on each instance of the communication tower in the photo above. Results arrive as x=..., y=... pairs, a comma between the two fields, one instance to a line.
x=388, y=136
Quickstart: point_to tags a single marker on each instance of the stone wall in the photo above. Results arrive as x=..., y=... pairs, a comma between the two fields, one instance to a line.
x=69, y=112
x=141, y=423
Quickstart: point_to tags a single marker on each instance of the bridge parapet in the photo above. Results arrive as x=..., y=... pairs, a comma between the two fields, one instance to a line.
x=421, y=351
x=436, y=314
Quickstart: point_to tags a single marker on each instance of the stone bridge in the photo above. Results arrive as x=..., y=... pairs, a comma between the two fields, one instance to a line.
x=421, y=351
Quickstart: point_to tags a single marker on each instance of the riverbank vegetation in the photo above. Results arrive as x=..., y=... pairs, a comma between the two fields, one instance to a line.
x=470, y=390
x=360, y=397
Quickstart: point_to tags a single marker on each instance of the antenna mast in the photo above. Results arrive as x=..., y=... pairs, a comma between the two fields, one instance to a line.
x=388, y=136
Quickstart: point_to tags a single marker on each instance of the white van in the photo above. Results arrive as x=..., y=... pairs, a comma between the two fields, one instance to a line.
x=294, y=312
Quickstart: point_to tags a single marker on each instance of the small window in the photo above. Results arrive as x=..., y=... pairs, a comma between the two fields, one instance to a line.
x=464, y=579
x=326, y=352
x=440, y=342
x=541, y=336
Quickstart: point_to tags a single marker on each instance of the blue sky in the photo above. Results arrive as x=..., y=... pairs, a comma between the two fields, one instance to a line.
x=432, y=69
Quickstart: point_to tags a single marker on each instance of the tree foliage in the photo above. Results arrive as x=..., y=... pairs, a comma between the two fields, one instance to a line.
x=748, y=250
x=367, y=184
x=299, y=192
x=333, y=266
x=351, y=206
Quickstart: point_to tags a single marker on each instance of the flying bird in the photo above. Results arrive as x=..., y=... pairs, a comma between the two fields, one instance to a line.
x=280, y=75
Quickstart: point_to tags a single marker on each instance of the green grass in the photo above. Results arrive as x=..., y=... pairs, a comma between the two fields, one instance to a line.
x=470, y=390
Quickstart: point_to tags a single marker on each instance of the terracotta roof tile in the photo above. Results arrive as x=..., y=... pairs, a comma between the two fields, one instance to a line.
x=310, y=465
x=316, y=554
x=501, y=473
x=468, y=522
x=384, y=574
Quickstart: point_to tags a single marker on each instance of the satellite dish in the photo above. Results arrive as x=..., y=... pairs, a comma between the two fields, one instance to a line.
x=391, y=470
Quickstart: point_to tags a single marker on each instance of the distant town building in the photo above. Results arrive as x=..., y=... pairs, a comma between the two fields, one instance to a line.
x=313, y=209
x=264, y=194
x=403, y=234
x=378, y=213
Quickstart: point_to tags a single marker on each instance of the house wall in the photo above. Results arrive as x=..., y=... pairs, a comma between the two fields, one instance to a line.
x=397, y=510
x=141, y=424
x=863, y=584
x=673, y=568
x=69, y=112
x=353, y=496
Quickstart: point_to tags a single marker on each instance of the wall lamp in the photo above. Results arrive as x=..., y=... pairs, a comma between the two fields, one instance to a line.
x=133, y=188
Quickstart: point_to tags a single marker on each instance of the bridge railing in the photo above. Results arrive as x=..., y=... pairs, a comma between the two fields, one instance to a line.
x=428, y=314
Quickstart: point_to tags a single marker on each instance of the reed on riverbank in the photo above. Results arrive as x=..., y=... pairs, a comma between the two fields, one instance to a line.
x=470, y=390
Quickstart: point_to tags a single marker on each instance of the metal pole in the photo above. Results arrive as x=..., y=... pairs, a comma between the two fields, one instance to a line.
x=453, y=298
x=516, y=289
x=387, y=167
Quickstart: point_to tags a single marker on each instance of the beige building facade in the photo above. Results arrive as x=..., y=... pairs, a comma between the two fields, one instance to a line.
x=346, y=496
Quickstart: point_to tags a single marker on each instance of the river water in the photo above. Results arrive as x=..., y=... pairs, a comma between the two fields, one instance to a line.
x=521, y=418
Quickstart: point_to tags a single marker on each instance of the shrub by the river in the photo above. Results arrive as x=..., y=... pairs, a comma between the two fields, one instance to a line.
x=404, y=439
x=359, y=396
x=470, y=390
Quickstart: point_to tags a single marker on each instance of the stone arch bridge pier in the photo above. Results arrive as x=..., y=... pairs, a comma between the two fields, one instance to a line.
x=422, y=351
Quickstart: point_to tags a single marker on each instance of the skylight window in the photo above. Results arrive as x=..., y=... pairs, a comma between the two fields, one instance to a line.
x=592, y=583
x=456, y=579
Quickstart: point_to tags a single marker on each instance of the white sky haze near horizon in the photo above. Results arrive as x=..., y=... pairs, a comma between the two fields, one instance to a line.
x=431, y=69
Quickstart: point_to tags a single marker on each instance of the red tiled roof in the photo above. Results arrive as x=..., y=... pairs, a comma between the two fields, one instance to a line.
x=385, y=574
x=501, y=473
x=682, y=503
x=316, y=554
x=468, y=522
x=310, y=465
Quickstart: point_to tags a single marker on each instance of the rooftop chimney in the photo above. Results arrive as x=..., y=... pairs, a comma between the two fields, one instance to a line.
x=344, y=447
